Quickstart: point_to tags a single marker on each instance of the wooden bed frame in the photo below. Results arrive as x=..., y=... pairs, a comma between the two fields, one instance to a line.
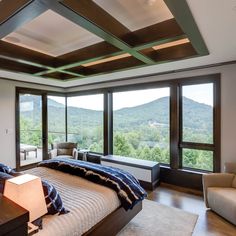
x=114, y=222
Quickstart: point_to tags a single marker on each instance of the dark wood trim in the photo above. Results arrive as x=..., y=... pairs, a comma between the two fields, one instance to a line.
x=17, y=125
x=43, y=94
x=200, y=146
x=105, y=125
x=217, y=125
x=216, y=145
x=45, y=125
x=174, y=126
x=66, y=118
x=180, y=177
x=114, y=222
x=108, y=123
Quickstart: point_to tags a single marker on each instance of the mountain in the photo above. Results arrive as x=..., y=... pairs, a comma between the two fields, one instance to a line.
x=196, y=115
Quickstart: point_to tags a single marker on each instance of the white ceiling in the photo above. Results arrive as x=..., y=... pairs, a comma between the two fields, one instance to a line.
x=216, y=20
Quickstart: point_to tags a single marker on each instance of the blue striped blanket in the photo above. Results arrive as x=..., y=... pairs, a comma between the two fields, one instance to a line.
x=126, y=186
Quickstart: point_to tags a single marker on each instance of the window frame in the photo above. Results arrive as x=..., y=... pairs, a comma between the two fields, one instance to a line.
x=215, y=146
x=176, y=144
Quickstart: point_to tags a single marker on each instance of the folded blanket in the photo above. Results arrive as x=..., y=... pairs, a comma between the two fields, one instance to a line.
x=126, y=185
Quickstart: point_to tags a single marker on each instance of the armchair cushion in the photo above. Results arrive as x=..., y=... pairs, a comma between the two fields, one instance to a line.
x=216, y=180
x=222, y=201
x=66, y=149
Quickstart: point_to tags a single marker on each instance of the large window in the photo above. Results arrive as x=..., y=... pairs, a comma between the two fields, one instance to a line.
x=30, y=129
x=56, y=119
x=141, y=124
x=174, y=122
x=85, y=121
x=197, y=126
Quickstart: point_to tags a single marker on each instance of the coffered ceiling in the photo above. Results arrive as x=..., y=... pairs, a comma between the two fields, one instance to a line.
x=74, y=40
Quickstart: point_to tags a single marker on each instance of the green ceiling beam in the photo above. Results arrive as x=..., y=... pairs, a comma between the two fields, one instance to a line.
x=76, y=64
x=27, y=13
x=30, y=63
x=138, y=48
x=93, y=28
x=159, y=42
x=184, y=18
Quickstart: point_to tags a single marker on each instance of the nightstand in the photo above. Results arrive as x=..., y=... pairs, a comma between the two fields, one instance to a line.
x=13, y=218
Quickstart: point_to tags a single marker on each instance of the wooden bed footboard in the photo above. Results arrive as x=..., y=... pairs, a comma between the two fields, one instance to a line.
x=114, y=222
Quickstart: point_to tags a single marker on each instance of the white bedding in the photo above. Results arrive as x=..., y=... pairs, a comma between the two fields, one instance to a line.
x=88, y=203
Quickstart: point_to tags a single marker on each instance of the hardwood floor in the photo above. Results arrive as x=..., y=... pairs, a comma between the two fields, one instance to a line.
x=209, y=223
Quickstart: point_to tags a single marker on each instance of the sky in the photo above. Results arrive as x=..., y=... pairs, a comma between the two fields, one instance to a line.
x=202, y=93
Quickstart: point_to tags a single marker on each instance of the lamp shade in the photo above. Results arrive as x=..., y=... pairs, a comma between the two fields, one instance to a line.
x=27, y=191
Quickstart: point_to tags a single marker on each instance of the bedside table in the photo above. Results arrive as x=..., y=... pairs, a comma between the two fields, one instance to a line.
x=13, y=218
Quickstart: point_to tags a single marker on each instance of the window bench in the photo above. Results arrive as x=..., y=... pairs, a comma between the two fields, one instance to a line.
x=147, y=172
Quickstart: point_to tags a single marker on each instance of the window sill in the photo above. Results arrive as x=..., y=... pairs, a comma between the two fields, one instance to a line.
x=192, y=171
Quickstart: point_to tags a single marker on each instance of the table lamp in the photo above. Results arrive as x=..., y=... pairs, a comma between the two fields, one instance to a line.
x=27, y=191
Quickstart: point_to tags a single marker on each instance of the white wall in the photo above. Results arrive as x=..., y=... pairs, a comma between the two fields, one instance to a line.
x=228, y=108
x=7, y=118
x=228, y=102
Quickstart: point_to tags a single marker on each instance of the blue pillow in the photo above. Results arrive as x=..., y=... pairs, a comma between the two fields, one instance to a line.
x=53, y=199
x=5, y=168
x=3, y=177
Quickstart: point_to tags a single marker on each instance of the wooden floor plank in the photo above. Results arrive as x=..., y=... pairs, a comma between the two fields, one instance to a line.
x=209, y=223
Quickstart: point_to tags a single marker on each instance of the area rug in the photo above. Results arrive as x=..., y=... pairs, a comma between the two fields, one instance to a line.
x=157, y=219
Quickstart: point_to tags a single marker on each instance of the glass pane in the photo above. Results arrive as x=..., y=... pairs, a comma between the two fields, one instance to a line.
x=198, y=159
x=141, y=124
x=198, y=113
x=85, y=121
x=56, y=120
x=30, y=129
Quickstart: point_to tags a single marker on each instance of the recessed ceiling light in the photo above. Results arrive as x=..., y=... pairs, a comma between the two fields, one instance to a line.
x=107, y=59
x=171, y=44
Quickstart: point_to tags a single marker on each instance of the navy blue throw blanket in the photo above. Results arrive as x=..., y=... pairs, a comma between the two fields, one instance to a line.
x=126, y=186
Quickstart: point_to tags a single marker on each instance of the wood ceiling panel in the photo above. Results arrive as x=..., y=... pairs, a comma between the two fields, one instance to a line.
x=96, y=50
x=116, y=65
x=171, y=53
x=60, y=76
x=165, y=29
x=7, y=10
x=17, y=67
x=119, y=38
x=17, y=52
x=93, y=12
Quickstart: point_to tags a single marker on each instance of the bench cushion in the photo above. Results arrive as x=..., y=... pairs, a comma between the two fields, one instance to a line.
x=223, y=201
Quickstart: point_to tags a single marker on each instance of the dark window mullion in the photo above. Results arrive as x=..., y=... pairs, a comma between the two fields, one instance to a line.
x=199, y=146
x=174, y=126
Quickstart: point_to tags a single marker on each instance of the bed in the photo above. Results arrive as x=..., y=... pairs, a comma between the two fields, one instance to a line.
x=94, y=209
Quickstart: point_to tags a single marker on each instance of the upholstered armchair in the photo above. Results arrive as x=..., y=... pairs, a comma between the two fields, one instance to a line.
x=220, y=192
x=62, y=150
